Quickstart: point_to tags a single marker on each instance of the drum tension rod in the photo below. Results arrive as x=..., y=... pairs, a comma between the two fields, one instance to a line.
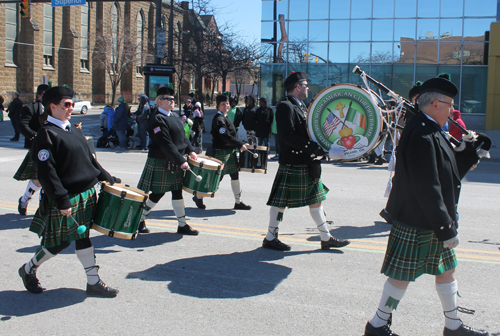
x=123, y=193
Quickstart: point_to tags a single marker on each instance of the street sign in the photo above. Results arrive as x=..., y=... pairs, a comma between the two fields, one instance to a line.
x=61, y=3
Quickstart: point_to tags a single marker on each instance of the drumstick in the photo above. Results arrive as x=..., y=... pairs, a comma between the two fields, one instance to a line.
x=81, y=228
x=198, y=177
x=255, y=155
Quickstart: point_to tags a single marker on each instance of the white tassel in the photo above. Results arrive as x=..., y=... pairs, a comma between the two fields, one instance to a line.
x=392, y=163
x=336, y=153
x=483, y=154
x=388, y=189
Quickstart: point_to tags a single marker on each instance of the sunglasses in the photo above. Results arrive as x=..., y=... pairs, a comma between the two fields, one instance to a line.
x=67, y=105
x=168, y=98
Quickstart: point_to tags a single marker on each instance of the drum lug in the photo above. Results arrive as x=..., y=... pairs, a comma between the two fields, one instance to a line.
x=134, y=236
x=212, y=196
x=111, y=233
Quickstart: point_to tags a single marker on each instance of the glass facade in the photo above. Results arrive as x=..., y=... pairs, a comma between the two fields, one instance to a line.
x=397, y=42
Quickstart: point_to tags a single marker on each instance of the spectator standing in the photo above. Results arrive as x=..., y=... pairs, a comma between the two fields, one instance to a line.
x=2, y=100
x=120, y=123
x=249, y=119
x=187, y=109
x=264, y=120
x=197, y=128
x=454, y=130
x=14, y=109
x=235, y=113
x=142, y=118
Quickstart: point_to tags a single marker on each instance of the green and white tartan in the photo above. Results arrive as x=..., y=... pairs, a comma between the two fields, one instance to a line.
x=156, y=178
x=27, y=169
x=293, y=187
x=228, y=158
x=57, y=228
x=412, y=252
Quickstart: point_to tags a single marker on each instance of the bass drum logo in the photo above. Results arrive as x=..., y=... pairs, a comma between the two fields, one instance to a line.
x=347, y=117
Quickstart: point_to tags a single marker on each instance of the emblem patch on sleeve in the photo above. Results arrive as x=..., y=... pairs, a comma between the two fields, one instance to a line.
x=222, y=130
x=43, y=155
x=157, y=129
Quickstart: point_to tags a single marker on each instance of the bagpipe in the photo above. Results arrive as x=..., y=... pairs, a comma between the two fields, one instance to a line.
x=480, y=141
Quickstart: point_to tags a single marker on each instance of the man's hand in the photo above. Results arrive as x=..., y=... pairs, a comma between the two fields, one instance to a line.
x=243, y=148
x=185, y=166
x=193, y=156
x=451, y=243
x=66, y=212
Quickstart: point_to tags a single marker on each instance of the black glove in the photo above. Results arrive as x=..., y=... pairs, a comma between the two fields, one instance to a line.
x=116, y=180
x=318, y=151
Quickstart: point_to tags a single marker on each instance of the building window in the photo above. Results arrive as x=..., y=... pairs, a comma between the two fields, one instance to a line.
x=48, y=35
x=10, y=31
x=84, y=37
x=140, y=29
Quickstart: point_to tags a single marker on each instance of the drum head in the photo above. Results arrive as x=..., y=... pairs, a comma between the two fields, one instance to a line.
x=347, y=117
x=132, y=193
x=208, y=162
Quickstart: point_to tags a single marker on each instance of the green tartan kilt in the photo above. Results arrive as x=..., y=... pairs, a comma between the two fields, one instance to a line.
x=412, y=252
x=57, y=228
x=228, y=158
x=157, y=179
x=27, y=169
x=293, y=187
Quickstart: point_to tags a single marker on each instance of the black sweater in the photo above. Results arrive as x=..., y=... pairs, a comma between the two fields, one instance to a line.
x=167, y=138
x=29, y=124
x=65, y=164
x=224, y=133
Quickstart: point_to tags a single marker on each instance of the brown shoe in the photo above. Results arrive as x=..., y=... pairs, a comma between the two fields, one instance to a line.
x=187, y=230
x=100, y=289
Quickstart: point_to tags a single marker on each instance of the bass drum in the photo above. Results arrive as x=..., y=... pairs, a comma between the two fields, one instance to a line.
x=348, y=117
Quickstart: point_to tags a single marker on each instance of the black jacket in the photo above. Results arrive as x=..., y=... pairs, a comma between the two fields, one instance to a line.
x=29, y=124
x=264, y=117
x=426, y=184
x=295, y=145
x=167, y=138
x=249, y=118
x=15, y=108
x=224, y=133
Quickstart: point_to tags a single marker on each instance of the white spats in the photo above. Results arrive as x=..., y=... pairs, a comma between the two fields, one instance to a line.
x=448, y=295
x=318, y=215
x=389, y=302
x=87, y=258
x=179, y=210
x=275, y=217
x=235, y=186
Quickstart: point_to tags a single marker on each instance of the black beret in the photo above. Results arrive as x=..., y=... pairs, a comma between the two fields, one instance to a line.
x=165, y=90
x=42, y=88
x=221, y=98
x=294, y=78
x=439, y=85
x=56, y=93
x=415, y=90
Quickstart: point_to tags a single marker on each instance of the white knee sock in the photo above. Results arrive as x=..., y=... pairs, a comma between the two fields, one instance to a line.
x=87, y=258
x=149, y=206
x=389, y=302
x=30, y=190
x=41, y=256
x=318, y=215
x=275, y=217
x=179, y=210
x=448, y=294
x=235, y=186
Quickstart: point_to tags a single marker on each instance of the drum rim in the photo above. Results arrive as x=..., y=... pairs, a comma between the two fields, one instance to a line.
x=381, y=117
x=109, y=188
x=116, y=234
x=197, y=164
x=200, y=193
x=250, y=170
x=261, y=148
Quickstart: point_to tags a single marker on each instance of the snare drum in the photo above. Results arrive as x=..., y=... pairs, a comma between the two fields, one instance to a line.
x=348, y=117
x=210, y=171
x=254, y=159
x=119, y=210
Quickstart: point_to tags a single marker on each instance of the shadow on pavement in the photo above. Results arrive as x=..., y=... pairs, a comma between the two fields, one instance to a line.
x=191, y=212
x=24, y=303
x=15, y=221
x=223, y=276
x=378, y=229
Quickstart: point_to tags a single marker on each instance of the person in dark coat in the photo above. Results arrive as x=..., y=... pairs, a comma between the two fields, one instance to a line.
x=250, y=120
x=32, y=119
x=166, y=163
x=225, y=144
x=422, y=205
x=298, y=180
x=120, y=122
x=67, y=171
x=14, y=111
x=142, y=118
x=264, y=116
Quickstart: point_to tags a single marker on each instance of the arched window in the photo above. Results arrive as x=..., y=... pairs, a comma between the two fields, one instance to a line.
x=48, y=35
x=140, y=32
x=10, y=32
x=84, y=37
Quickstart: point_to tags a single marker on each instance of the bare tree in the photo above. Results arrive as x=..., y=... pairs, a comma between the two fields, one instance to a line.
x=116, y=54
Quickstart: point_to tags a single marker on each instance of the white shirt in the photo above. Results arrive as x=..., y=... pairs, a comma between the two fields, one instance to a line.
x=167, y=113
x=58, y=122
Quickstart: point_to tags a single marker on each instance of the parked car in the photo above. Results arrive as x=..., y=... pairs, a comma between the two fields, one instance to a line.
x=81, y=106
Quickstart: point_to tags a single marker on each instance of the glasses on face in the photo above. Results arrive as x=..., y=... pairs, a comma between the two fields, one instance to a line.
x=304, y=85
x=450, y=104
x=67, y=105
x=168, y=98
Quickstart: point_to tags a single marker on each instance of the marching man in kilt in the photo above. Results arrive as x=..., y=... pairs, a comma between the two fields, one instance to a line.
x=225, y=144
x=298, y=180
x=422, y=204
x=165, y=166
x=29, y=124
x=67, y=171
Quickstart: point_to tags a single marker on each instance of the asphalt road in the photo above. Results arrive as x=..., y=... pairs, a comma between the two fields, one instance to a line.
x=222, y=282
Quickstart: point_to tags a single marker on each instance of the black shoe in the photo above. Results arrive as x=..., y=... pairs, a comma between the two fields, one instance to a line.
x=142, y=227
x=371, y=158
x=464, y=331
x=275, y=244
x=30, y=281
x=21, y=207
x=385, y=215
x=242, y=206
x=101, y=289
x=380, y=161
x=187, y=230
x=334, y=242
x=381, y=331
x=14, y=139
x=199, y=202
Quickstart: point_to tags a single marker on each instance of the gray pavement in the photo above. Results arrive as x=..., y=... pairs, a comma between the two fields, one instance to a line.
x=222, y=283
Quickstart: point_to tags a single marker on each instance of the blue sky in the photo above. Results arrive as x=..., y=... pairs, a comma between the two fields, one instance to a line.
x=244, y=15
